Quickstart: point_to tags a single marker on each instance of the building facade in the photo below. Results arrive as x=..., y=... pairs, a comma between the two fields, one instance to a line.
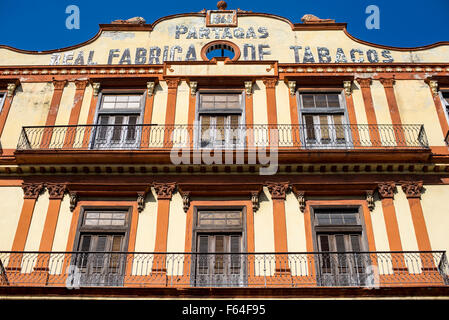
x=224, y=153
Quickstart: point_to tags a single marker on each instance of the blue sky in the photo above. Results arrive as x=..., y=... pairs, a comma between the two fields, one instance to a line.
x=40, y=25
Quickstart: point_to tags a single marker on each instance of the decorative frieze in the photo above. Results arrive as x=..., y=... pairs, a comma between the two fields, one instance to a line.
x=56, y=191
x=386, y=190
x=186, y=201
x=150, y=88
x=73, y=200
x=412, y=189
x=370, y=199
x=387, y=82
x=81, y=84
x=164, y=191
x=11, y=87
x=270, y=83
x=140, y=201
x=278, y=190
x=364, y=82
x=172, y=83
x=292, y=87
x=59, y=84
x=32, y=190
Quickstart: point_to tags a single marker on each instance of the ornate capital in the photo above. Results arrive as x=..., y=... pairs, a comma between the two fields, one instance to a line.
x=248, y=88
x=73, y=200
x=348, y=87
x=433, y=84
x=255, y=200
x=140, y=201
x=278, y=190
x=193, y=87
x=96, y=88
x=370, y=199
x=300, y=195
x=364, y=82
x=386, y=190
x=186, y=201
x=412, y=189
x=172, y=83
x=32, y=190
x=150, y=88
x=387, y=82
x=56, y=191
x=270, y=83
x=81, y=84
x=59, y=84
x=292, y=87
x=11, y=87
x=164, y=191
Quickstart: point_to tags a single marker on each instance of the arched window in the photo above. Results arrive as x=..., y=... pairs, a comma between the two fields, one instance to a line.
x=220, y=49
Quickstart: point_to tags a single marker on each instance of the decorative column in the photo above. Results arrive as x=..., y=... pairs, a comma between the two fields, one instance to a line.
x=164, y=192
x=347, y=85
x=90, y=116
x=192, y=106
x=75, y=113
x=31, y=192
x=41, y=270
x=171, y=110
x=147, y=115
x=388, y=84
x=249, y=113
x=412, y=190
x=278, y=191
x=386, y=192
x=11, y=88
x=294, y=118
x=365, y=85
x=433, y=86
x=52, y=112
x=270, y=88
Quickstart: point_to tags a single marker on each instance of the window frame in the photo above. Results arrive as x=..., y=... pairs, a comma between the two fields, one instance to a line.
x=228, y=112
x=82, y=229
x=444, y=103
x=99, y=112
x=343, y=110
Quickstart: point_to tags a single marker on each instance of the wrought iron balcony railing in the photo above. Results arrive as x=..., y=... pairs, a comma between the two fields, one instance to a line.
x=148, y=137
x=253, y=270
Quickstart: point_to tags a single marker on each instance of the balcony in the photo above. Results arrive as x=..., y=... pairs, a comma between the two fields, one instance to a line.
x=166, y=137
x=224, y=270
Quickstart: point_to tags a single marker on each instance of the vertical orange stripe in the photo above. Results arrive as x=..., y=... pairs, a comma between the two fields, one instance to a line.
x=394, y=111
x=352, y=120
x=51, y=221
x=52, y=112
x=170, y=110
x=419, y=223
x=5, y=112
x=391, y=224
x=294, y=119
x=163, y=211
x=75, y=113
x=23, y=225
x=191, y=116
x=365, y=85
x=147, y=116
x=441, y=113
x=369, y=227
x=270, y=88
x=90, y=121
x=249, y=120
x=280, y=226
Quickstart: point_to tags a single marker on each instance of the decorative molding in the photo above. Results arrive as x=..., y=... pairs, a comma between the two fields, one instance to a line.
x=193, y=87
x=140, y=201
x=96, y=88
x=81, y=84
x=386, y=190
x=364, y=82
x=300, y=195
x=255, y=200
x=56, y=191
x=32, y=190
x=73, y=200
x=370, y=199
x=11, y=87
x=248, y=88
x=270, y=83
x=150, y=88
x=278, y=190
x=186, y=201
x=59, y=84
x=292, y=87
x=347, y=87
x=172, y=83
x=433, y=84
x=387, y=82
x=412, y=189
x=164, y=191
